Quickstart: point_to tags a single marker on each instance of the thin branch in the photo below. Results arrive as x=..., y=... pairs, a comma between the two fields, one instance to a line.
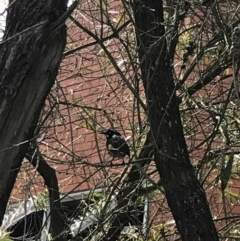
x=113, y=35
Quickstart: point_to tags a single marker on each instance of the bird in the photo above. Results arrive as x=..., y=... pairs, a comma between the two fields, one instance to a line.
x=116, y=145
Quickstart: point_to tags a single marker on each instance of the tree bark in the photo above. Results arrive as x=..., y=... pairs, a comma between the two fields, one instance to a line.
x=186, y=197
x=30, y=55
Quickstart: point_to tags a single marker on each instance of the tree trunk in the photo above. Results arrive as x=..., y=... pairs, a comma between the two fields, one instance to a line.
x=186, y=197
x=30, y=55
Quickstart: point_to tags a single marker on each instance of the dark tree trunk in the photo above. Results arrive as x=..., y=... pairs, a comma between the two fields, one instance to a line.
x=30, y=55
x=185, y=196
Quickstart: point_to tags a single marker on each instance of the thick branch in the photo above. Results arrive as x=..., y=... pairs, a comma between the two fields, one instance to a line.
x=209, y=74
x=49, y=175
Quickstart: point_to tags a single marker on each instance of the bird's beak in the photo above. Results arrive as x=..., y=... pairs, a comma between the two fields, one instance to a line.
x=102, y=132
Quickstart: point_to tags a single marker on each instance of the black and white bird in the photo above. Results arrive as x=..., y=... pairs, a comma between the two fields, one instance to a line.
x=116, y=145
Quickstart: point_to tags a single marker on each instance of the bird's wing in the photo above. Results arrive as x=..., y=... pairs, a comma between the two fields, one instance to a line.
x=119, y=144
x=115, y=143
x=110, y=147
